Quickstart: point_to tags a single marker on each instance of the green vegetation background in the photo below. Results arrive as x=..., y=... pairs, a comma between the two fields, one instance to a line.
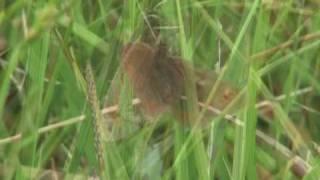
x=268, y=48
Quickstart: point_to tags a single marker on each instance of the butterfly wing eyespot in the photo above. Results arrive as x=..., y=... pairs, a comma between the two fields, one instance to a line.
x=228, y=94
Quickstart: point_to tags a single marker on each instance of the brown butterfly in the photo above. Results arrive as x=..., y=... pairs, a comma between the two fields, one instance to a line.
x=158, y=79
